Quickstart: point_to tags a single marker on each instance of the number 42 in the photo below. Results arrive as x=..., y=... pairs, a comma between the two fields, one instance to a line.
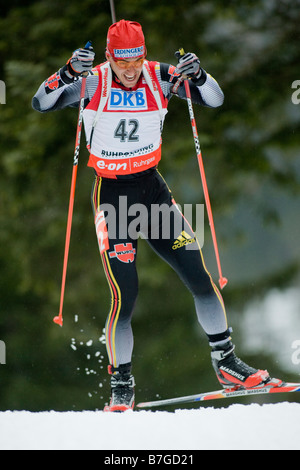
x=127, y=131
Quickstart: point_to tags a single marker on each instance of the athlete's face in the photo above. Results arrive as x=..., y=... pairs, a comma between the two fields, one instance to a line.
x=127, y=71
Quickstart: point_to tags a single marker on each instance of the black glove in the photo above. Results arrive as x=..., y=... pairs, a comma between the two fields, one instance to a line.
x=189, y=65
x=80, y=62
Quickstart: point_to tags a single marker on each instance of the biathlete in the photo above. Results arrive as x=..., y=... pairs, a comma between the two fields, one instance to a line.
x=126, y=101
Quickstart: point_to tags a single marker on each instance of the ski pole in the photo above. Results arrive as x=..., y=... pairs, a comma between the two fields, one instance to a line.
x=59, y=319
x=222, y=280
x=113, y=11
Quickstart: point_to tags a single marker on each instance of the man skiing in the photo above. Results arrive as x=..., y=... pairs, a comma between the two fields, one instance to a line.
x=126, y=102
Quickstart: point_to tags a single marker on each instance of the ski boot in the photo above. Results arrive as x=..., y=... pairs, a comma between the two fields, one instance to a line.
x=232, y=372
x=122, y=389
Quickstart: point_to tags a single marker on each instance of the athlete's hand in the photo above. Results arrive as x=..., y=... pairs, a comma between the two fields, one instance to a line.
x=188, y=65
x=80, y=62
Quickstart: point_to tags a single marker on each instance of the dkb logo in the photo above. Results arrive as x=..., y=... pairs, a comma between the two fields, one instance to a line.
x=123, y=100
x=2, y=352
x=2, y=92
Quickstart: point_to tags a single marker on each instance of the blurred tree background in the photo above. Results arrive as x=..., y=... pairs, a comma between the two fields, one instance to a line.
x=251, y=155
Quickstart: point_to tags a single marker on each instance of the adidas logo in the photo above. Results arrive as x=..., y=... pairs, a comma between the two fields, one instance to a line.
x=183, y=240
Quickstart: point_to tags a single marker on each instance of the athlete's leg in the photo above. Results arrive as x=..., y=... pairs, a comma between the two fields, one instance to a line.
x=119, y=262
x=123, y=284
x=176, y=243
x=189, y=264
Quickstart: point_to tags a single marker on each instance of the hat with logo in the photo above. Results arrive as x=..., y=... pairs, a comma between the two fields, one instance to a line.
x=125, y=40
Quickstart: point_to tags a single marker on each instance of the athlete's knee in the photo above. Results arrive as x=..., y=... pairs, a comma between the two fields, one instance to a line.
x=124, y=301
x=201, y=286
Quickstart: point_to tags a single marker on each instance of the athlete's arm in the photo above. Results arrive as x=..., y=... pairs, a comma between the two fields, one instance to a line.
x=60, y=91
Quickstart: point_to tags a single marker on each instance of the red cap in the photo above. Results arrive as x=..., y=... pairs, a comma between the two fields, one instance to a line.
x=125, y=40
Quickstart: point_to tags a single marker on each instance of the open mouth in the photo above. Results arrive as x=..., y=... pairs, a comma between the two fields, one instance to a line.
x=130, y=77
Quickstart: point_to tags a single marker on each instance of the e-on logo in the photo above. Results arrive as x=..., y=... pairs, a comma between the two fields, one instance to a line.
x=125, y=100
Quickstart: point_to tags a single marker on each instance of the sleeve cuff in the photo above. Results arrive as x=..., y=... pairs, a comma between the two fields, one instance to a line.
x=201, y=80
x=65, y=76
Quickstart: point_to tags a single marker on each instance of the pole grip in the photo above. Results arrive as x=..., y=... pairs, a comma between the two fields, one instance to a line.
x=88, y=45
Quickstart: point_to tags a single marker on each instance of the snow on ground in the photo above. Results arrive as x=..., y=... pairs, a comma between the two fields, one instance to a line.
x=237, y=427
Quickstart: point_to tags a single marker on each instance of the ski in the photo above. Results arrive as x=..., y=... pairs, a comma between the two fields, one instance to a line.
x=273, y=386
